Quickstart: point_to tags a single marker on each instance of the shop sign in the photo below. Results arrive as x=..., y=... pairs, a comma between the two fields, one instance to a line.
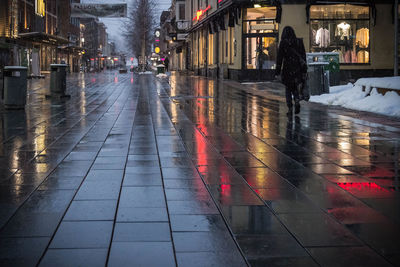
x=40, y=8
x=200, y=13
x=181, y=36
x=157, y=50
x=98, y=10
x=258, y=27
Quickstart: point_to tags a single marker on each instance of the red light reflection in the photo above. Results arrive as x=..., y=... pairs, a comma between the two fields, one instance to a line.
x=115, y=79
x=362, y=186
x=93, y=80
x=226, y=189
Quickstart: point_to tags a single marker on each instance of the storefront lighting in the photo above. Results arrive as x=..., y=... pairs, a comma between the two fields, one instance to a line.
x=40, y=8
x=257, y=5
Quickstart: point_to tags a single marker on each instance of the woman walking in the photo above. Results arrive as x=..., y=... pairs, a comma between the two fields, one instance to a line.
x=292, y=66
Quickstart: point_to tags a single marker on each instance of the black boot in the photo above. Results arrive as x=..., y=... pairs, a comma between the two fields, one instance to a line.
x=290, y=112
x=297, y=108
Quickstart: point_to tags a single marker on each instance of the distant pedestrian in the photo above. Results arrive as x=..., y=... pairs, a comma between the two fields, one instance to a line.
x=166, y=63
x=292, y=66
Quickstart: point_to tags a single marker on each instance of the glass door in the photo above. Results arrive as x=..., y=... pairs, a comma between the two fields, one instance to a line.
x=260, y=52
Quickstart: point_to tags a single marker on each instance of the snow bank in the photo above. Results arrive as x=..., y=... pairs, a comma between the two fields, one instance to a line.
x=146, y=72
x=162, y=75
x=385, y=82
x=352, y=96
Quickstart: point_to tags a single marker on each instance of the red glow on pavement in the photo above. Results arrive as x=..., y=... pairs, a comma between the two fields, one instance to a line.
x=93, y=80
x=226, y=189
x=362, y=186
x=131, y=80
x=115, y=79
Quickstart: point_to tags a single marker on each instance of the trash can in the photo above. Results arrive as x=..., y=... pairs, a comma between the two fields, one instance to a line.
x=58, y=79
x=14, y=91
x=160, y=69
x=323, y=71
x=317, y=78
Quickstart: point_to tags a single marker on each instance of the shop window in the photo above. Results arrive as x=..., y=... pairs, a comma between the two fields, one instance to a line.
x=261, y=53
x=341, y=28
x=210, y=49
x=231, y=44
x=222, y=44
x=260, y=20
x=260, y=32
x=181, y=12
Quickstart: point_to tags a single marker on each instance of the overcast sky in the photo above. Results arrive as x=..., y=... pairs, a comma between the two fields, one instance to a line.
x=114, y=26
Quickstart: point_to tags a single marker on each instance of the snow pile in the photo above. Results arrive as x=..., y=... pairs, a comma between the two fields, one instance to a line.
x=162, y=75
x=385, y=82
x=146, y=72
x=352, y=96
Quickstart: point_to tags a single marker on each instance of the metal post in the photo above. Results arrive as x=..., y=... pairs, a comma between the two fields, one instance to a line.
x=396, y=38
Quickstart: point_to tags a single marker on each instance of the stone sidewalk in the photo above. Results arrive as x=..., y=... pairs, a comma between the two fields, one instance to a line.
x=139, y=171
x=97, y=181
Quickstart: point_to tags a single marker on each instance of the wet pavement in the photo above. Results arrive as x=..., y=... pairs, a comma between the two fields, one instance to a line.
x=139, y=171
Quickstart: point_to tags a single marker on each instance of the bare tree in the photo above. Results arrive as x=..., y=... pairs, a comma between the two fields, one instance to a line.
x=139, y=27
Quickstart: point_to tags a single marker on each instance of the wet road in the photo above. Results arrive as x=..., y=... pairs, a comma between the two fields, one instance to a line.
x=196, y=172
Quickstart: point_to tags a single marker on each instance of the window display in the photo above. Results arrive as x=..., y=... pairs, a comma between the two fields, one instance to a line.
x=341, y=28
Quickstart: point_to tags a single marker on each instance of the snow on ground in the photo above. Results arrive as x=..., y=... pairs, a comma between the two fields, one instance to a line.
x=385, y=82
x=351, y=96
x=146, y=72
x=162, y=75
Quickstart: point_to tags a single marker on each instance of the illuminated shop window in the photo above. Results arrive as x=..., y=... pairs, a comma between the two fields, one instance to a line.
x=341, y=28
x=260, y=20
x=261, y=33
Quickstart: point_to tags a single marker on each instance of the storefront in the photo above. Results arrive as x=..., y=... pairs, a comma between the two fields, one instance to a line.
x=361, y=31
x=39, y=50
x=238, y=40
x=259, y=42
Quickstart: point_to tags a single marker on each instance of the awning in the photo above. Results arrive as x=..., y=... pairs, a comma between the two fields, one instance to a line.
x=43, y=38
x=72, y=47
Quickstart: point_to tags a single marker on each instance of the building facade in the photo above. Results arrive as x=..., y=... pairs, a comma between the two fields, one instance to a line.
x=238, y=39
x=95, y=44
x=37, y=33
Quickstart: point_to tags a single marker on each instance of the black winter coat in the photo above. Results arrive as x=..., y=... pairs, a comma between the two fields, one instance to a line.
x=291, y=61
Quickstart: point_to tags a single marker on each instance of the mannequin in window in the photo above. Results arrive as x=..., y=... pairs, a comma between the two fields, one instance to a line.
x=343, y=30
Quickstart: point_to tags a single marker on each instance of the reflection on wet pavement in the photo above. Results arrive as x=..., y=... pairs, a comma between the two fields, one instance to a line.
x=194, y=171
x=319, y=177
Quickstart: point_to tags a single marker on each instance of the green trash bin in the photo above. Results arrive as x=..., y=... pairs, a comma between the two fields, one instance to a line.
x=15, y=83
x=58, y=79
x=160, y=69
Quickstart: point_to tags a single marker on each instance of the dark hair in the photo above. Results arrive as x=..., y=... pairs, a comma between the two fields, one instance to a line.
x=288, y=34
